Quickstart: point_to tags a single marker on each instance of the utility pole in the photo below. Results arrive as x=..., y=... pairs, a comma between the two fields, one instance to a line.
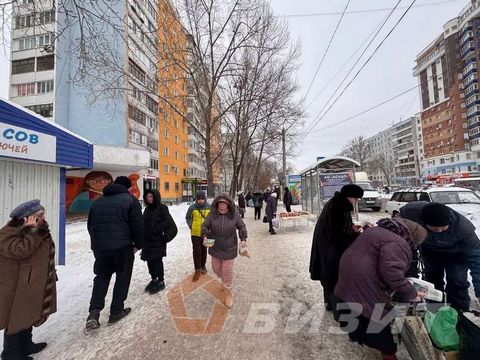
x=284, y=152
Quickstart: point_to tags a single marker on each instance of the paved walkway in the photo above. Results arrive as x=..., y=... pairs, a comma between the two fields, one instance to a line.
x=271, y=289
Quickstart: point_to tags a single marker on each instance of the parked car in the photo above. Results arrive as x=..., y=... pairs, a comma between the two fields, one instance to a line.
x=462, y=200
x=371, y=198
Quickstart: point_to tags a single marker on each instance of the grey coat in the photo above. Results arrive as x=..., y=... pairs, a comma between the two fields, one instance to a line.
x=223, y=228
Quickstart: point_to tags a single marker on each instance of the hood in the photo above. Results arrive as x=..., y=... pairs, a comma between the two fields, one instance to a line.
x=157, y=199
x=114, y=189
x=338, y=197
x=231, y=205
x=465, y=209
x=370, y=194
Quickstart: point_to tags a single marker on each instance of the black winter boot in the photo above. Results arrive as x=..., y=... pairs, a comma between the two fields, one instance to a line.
x=92, y=320
x=150, y=285
x=28, y=346
x=12, y=347
x=117, y=317
x=157, y=286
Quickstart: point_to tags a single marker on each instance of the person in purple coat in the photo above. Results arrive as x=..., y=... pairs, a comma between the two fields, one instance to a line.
x=371, y=270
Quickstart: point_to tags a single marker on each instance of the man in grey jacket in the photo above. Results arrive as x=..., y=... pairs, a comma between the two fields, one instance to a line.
x=451, y=248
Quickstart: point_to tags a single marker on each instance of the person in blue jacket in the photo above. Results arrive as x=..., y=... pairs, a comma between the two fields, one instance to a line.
x=450, y=250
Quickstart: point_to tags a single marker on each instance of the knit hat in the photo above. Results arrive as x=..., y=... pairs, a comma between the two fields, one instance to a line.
x=200, y=195
x=26, y=209
x=436, y=214
x=123, y=180
x=352, y=190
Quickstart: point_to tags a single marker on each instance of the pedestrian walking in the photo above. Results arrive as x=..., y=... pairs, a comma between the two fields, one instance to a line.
x=333, y=234
x=366, y=286
x=450, y=250
x=221, y=225
x=271, y=211
x=287, y=199
x=196, y=215
x=160, y=229
x=258, y=204
x=116, y=229
x=241, y=204
x=28, y=279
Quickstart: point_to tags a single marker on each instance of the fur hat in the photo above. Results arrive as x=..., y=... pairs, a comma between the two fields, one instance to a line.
x=26, y=209
x=352, y=190
x=436, y=214
x=123, y=180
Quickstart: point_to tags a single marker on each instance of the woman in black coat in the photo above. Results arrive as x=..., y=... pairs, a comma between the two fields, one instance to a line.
x=159, y=230
x=334, y=233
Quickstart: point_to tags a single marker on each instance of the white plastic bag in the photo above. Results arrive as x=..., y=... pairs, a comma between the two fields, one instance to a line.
x=275, y=223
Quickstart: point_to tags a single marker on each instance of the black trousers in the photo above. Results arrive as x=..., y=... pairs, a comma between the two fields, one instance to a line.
x=258, y=212
x=107, y=263
x=15, y=345
x=155, y=268
x=270, y=226
x=365, y=331
x=199, y=253
x=454, y=266
x=288, y=208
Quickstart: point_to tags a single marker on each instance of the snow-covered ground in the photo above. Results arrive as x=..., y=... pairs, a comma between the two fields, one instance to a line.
x=274, y=279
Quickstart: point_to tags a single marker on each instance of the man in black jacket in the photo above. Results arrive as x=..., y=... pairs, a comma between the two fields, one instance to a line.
x=450, y=250
x=116, y=229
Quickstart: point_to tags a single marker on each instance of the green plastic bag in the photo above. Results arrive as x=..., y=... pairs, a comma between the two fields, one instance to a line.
x=442, y=328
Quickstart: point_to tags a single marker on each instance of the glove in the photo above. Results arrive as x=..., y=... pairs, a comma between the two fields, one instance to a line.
x=243, y=251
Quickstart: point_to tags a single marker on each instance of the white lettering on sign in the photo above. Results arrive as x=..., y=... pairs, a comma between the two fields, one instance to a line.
x=27, y=144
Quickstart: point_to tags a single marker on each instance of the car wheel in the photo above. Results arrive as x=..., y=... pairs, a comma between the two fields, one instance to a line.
x=395, y=214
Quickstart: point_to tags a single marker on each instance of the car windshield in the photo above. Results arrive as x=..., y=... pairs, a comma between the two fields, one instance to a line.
x=455, y=197
x=366, y=186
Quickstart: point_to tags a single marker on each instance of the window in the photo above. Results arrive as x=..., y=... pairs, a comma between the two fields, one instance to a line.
x=177, y=187
x=45, y=63
x=423, y=197
x=23, y=66
x=176, y=155
x=153, y=164
x=44, y=87
x=46, y=17
x=137, y=115
x=22, y=21
x=166, y=168
x=152, y=105
x=176, y=139
x=138, y=137
x=25, y=89
x=167, y=134
x=184, y=172
x=408, y=197
x=45, y=110
x=166, y=185
x=166, y=151
x=136, y=71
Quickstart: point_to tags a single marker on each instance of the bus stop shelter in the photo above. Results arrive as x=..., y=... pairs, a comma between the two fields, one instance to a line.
x=323, y=178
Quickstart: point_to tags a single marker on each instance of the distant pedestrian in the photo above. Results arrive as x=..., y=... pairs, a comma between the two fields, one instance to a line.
x=160, y=228
x=241, y=204
x=287, y=199
x=258, y=203
x=271, y=211
x=249, y=199
x=116, y=229
x=333, y=234
x=196, y=215
x=371, y=270
x=222, y=224
x=28, y=279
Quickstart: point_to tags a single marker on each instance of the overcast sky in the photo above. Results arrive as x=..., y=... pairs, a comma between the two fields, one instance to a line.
x=389, y=73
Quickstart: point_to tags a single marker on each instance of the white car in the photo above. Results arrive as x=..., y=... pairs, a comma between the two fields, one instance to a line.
x=371, y=198
x=464, y=201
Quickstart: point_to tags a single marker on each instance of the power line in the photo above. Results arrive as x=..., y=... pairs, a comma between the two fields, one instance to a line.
x=326, y=50
x=344, y=65
x=375, y=106
x=352, y=67
x=361, y=68
x=367, y=10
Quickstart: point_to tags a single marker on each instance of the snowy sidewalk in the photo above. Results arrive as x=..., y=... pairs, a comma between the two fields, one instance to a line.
x=275, y=279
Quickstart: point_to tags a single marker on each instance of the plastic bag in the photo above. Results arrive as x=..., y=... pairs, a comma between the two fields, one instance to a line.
x=442, y=328
x=275, y=223
x=243, y=249
x=250, y=203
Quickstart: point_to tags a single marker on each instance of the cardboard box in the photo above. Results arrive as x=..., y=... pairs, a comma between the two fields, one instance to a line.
x=446, y=355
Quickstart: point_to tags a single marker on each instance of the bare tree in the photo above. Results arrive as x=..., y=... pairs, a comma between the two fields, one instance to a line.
x=383, y=165
x=357, y=149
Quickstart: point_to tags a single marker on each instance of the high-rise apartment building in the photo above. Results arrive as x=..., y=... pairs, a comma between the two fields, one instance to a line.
x=380, y=154
x=406, y=152
x=173, y=103
x=444, y=83
x=123, y=128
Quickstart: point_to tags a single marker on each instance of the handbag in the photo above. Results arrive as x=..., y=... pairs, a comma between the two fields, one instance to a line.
x=265, y=219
